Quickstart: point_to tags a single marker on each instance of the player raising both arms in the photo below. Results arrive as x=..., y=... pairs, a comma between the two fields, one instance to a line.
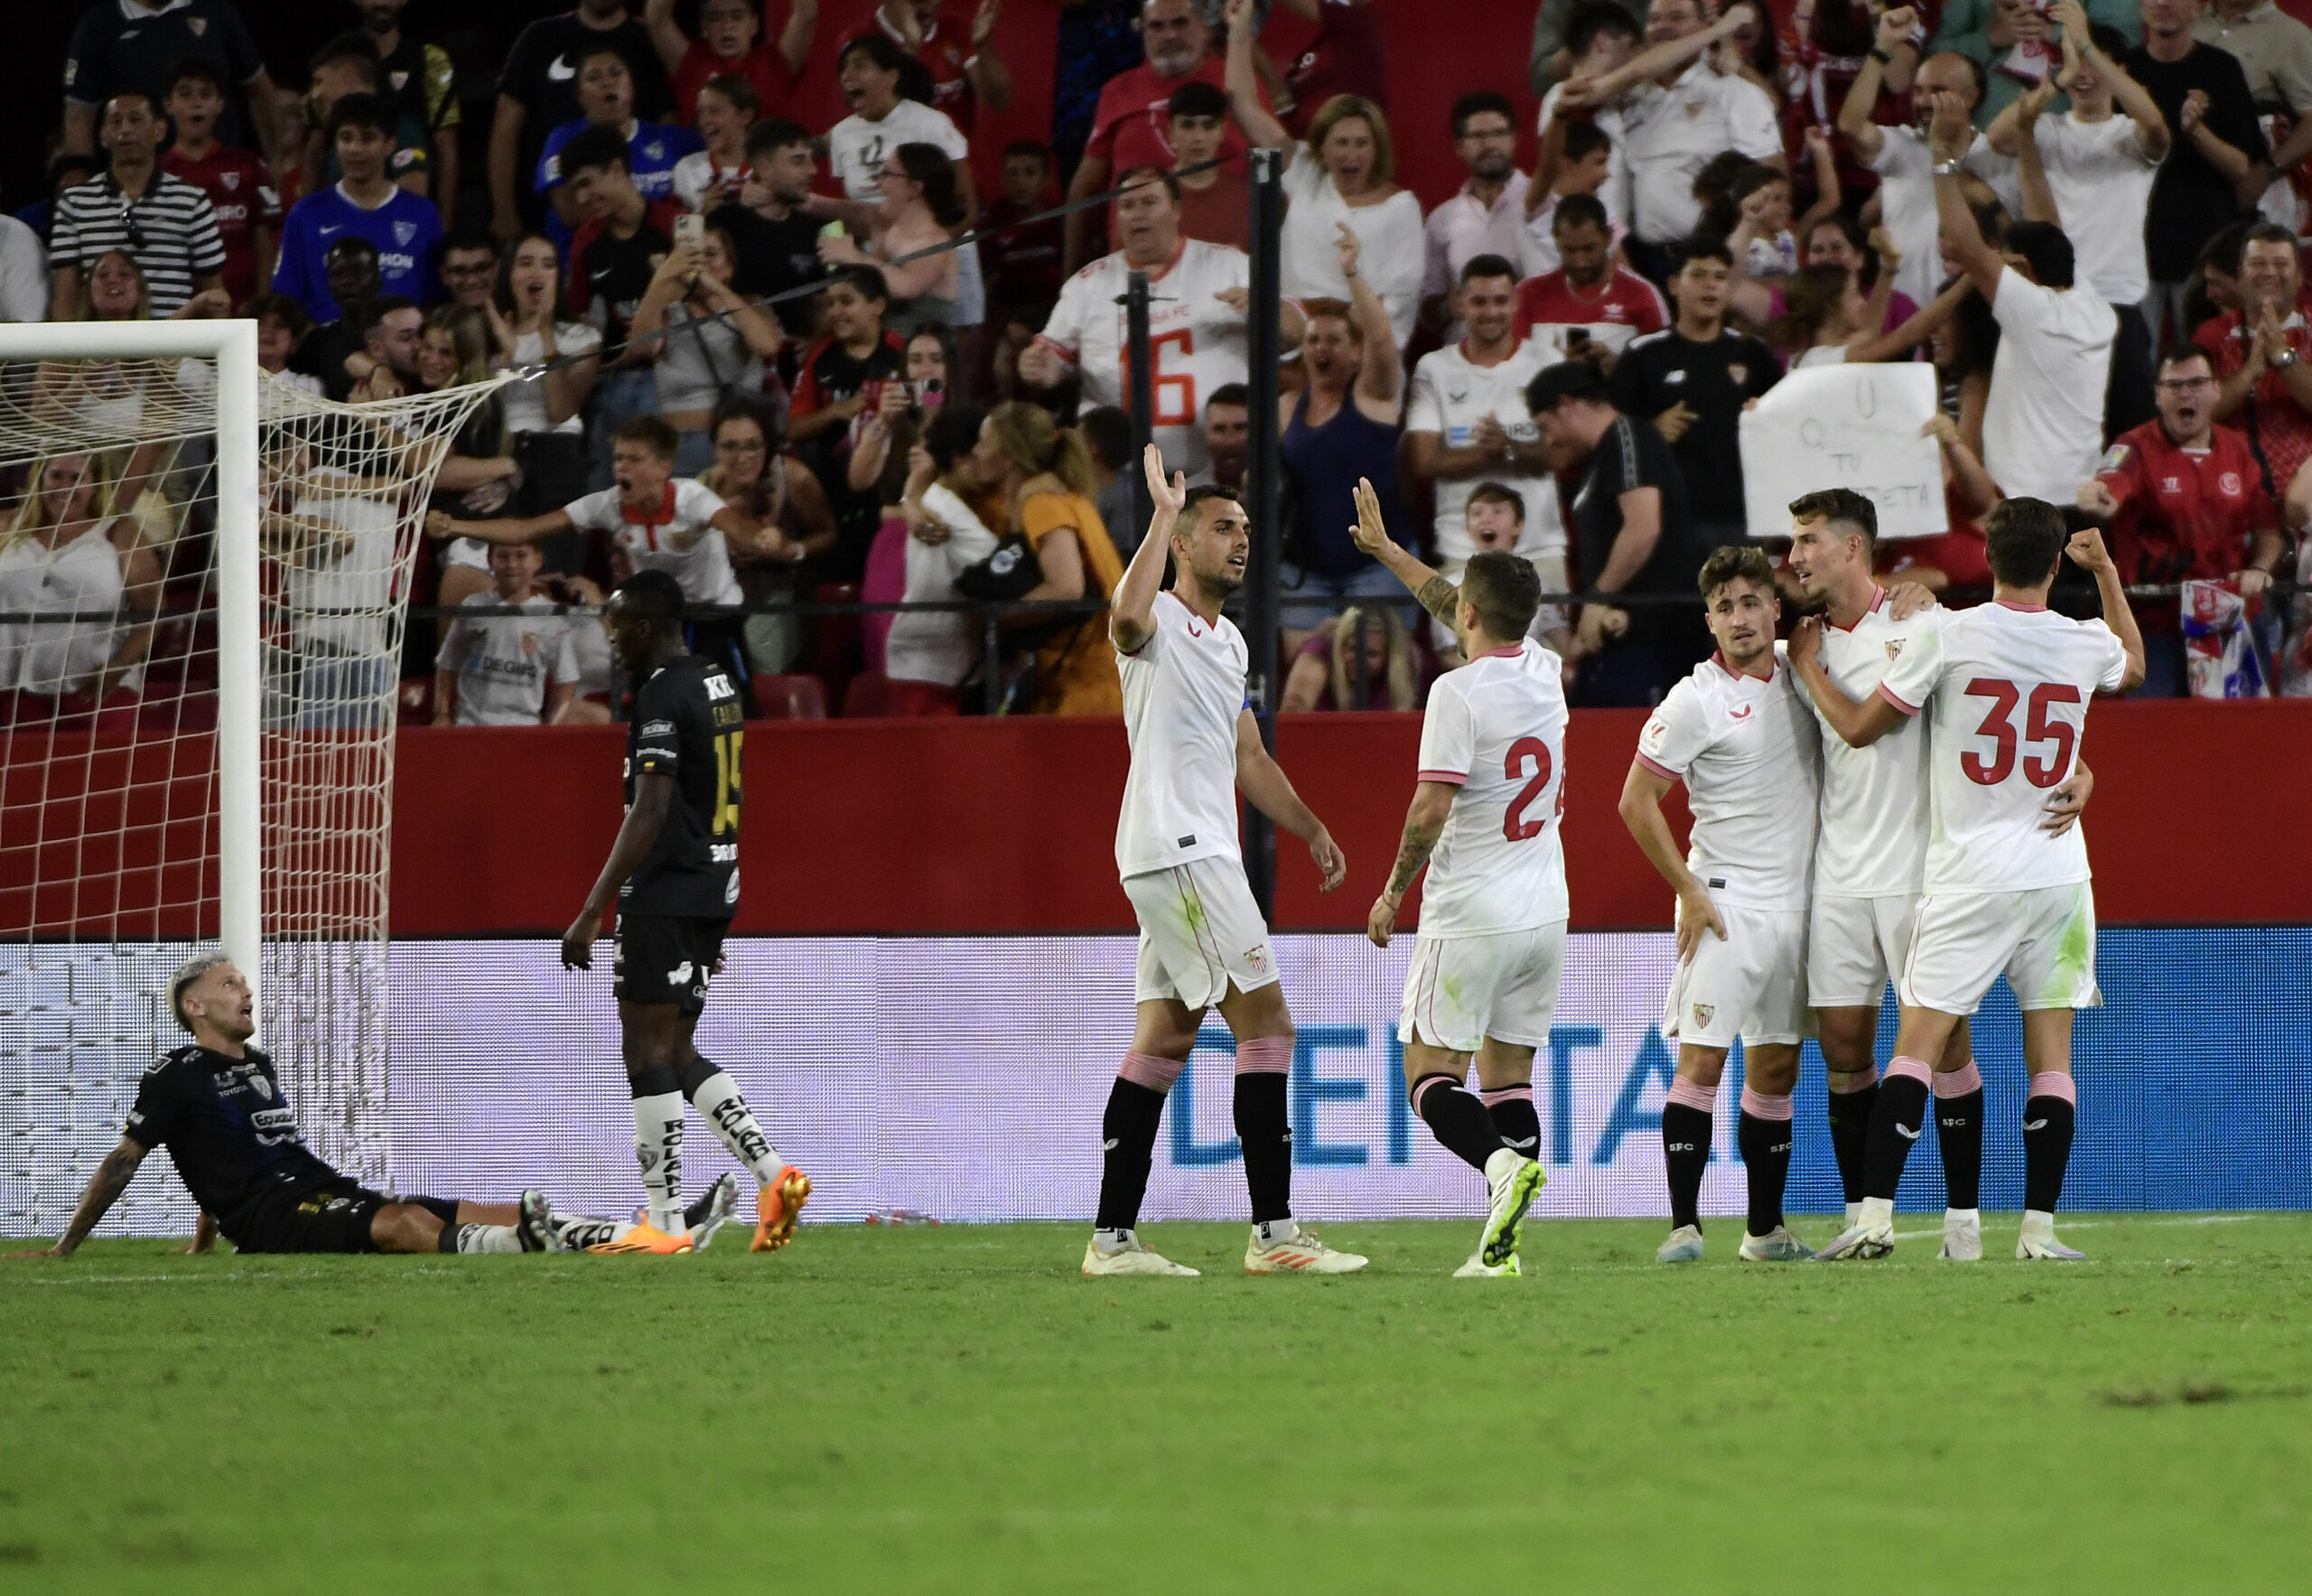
x=1737, y=732
x=2005, y=690
x=1195, y=746
x=1870, y=856
x=674, y=873
x=1484, y=818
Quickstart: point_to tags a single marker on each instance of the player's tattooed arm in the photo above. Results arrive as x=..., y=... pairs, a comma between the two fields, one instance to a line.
x=105, y=1187
x=1432, y=801
x=1440, y=597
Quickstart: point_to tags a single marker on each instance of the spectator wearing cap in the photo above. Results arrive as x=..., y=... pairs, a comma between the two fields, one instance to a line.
x=729, y=44
x=2203, y=94
x=1631, y=535
x=537, y=92
x=132, y=44
x=2262, y=355
x=162, y=223
x=1488, y=215
x=2042, y=424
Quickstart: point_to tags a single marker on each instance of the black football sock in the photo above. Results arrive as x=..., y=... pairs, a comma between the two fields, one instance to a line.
x=1459, y=1120
x=1685, y=1153
x=1959, y=1133
x=1128, y=1139
x=1850, y=1116
x=1763, y=1136
x=2049, y=1118
x=1515, y=1119
x=1894, y=1126
x=1264, y=1128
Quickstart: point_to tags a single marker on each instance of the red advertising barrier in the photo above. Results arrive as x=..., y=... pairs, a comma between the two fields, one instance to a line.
x=948, y=826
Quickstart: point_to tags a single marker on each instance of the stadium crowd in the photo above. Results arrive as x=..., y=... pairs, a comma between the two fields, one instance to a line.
x=2085, y=215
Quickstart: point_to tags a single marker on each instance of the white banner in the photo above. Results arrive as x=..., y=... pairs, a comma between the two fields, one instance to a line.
x=1846, y=426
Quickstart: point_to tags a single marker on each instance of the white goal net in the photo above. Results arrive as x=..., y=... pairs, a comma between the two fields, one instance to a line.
x=203, y=572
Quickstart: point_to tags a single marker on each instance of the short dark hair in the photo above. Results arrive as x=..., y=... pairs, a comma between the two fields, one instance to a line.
x=374, y=313
x=2023, y=539
x=887, y=56
x=1488, y=266
x=1568, y=379
x=1476, y=103
x=1197, y=97
x=1600, y=16
x=653, y=594
x=1108, y=432
x=284, y=308
x=1583, y=139
x=2266, y=232
x=1841, y=505
x=579, y=56
x=1581, y=210
x=1504, y=590
x=1701, y=247
x=372, y=112
x=193, y=68
x=1192, y=511
x=471, y=235
x=352, y=45
x=1498, y=493
x=773, y=135
x=950, y=431
x=595, y=149
x=866, y=281
x=2044, y=245
x=1730, y=560
x=1138, y=175
x=1230, y=393
x=652, y=432
x=2179, y=353
x=1029, y=147
x=929, y=165
x=737, y=90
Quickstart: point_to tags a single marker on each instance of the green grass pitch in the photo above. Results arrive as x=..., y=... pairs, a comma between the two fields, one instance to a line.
x=957, y=1409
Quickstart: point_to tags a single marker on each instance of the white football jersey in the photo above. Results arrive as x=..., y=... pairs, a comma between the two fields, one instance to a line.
x=1183, y=693
x=1747, y=751
x=1451, y=394
x=2005, y=688
x=1195, y=341
x=504, y=664
x=1495, y=729
x=674, y=536
x=1873, y=837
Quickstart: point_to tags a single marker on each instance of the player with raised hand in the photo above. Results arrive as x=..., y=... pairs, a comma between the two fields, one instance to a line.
x=1871, y=852
x=1488, y=790
x=674, y=873
x=1195, y=746
x=2004, y=690
x=1737, y=733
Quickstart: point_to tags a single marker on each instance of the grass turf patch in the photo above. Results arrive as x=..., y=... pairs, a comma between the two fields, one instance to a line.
x=957, y=1409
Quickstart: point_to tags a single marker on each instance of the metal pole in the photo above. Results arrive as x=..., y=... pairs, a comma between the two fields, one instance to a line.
x=1263, y=478
x=1140, y=363
x=992, y=659
x=240, y=805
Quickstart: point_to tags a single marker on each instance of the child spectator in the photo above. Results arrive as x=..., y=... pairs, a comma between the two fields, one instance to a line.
x=506, y=670
x=538, y=93
x=842, y=375
x=347, y=64
x=240, y=189
x=402, y=228
x=1022, y=263
x=1216, y=203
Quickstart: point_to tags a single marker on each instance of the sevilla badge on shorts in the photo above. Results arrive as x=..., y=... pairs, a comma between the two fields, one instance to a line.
x=1257, y=957
x=1894, y=647
x=1702, y=1012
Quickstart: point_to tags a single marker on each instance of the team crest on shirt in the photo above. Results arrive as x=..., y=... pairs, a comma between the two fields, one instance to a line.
x=1702, y=1012
x=400, y=80
x=403, y=159
x=2228, y=484
x=231, y=180
x=199, y=24
x=529, y=644
x=263, y=1087
x=404, y=231
x=1739, y=374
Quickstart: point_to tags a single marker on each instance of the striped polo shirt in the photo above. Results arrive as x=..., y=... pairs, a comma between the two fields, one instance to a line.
x=171, y=232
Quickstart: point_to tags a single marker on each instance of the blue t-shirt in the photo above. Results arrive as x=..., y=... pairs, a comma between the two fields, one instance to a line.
x=405, y=229
x=650, y=157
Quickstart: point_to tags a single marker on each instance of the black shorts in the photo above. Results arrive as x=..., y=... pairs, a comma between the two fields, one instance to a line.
x=331, y=1218
x=664, y=959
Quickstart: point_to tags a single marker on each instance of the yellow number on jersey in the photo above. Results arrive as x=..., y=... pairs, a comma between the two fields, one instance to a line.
x=729, y=771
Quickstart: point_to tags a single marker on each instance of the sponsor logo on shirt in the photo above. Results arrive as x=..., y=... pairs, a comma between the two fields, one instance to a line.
x=404, y=160
x=658, y=728
x=1669, y=377
x=561, y=71
x=400, y=80
x=325, y=232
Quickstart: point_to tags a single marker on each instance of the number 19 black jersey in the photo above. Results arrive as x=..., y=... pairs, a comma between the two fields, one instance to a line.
x=688, y=724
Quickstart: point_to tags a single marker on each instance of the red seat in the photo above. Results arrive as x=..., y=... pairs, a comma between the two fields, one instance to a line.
x=878, y=696
x=790, y=698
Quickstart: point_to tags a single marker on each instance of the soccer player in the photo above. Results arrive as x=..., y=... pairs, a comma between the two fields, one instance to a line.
x=674, y=873
x=1195, y=746
x=2004, y=688
x=1870, y=857
x=220, y=1109
x=1491, y=951
x=1737, y=733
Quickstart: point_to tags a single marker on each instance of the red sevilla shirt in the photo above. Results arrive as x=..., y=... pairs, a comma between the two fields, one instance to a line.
x=1624, y=300
x=2283, y=427
x=242, y=193
x=2184, y=513
x=763, y=66
x=1130, y=125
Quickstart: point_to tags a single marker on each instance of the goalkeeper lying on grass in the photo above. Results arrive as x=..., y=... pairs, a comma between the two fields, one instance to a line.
x=220, y=1111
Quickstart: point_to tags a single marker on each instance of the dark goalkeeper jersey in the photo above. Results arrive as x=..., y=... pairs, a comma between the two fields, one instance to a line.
x=228, y=1125
x=686, y=724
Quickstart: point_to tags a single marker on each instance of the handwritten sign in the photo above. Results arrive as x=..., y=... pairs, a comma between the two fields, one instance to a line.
x=1846, y=426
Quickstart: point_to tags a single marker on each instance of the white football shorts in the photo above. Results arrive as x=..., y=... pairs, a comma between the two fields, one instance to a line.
x=1503, y=984
x=1200, y=932
x=1752, y=984
x=1855, y=945
x=2043, y=940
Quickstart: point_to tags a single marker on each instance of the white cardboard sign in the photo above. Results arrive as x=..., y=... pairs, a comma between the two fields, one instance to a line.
x=1859, y=426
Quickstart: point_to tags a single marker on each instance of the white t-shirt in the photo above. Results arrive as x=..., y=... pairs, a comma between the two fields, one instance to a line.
x=2005, y=688
x=1394, y=254
x=340, y=601
x=1614, y=195
x=1450, y=395
x=1183, y=693
x=23, y=273
x=1747, y=751
x=1670, y=133
x=698, y=171
x=857, y=148
x=2043, y=422
x=1873, y=837
x=2102, y=181
x=938, y=646
x=674, y=536
x=1495, y=729
x=504, y=663
x=524, y=401
x=1197, y=340
x=1906, y=168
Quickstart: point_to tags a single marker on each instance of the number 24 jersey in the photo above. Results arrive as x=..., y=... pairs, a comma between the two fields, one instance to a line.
x=687, y=723
x=1495, y=729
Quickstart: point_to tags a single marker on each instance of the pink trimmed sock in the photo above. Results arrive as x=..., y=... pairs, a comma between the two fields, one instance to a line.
x=1958, y=1083
x=2054, y=1085
x=1264, y=1055
x=1760, y=1105
x=1692, y=1094
x=1916, y=1070
x=1151, y=1070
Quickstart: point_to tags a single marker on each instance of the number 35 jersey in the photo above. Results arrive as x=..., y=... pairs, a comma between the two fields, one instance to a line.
x=2005, y=690
x=688, y=724
x=1495, y=729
